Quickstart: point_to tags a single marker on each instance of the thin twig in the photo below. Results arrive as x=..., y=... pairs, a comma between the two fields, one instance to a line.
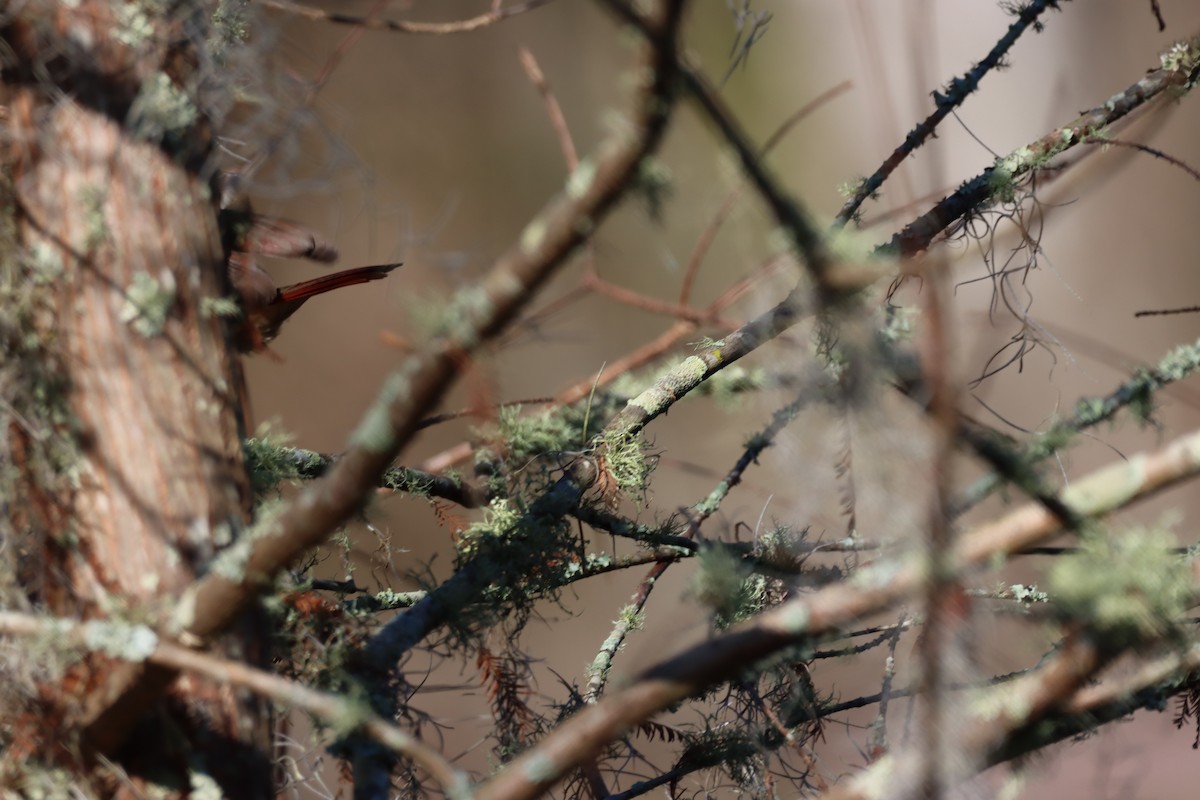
x=1177, y=73
x=709, y=234
x=496, y=14
x=960, y=88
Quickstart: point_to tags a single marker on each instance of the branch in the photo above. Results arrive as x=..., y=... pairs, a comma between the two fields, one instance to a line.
x=956, y=95
x=138, y=643
x=271, y=464
x=1179, y=363
x=1093, y=706
x=1009, y=711
x=399, y=26
x=804, y=619
x=1179, y=71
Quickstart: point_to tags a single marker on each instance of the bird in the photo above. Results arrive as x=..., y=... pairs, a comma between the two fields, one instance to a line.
x=265, y=306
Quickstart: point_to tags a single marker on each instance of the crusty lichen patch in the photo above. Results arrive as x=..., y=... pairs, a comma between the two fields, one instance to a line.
x=148, y=302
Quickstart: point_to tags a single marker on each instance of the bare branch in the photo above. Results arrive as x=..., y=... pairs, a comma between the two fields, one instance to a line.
x=491, y=17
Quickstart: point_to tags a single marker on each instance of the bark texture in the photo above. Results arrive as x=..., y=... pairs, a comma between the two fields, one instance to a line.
x=113, y=248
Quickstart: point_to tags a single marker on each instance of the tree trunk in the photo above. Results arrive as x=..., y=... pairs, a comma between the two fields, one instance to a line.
x=123, y=467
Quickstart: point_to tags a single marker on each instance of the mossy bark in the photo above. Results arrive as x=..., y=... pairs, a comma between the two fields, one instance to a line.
x=127, y=454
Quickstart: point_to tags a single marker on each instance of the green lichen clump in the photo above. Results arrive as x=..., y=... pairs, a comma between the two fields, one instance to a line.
x=230, y=28
x=271, y=462
x=162, y=111
x=519, y=556
x=531, y=436
x=727, y=586
x=148, y=302
x=1127, y=587
x=627, y=463
x=1183, y=57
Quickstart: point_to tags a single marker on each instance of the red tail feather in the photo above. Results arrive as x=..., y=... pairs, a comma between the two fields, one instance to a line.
x=327, y=283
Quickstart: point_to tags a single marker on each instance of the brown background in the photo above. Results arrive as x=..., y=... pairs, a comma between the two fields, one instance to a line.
x=437, y=150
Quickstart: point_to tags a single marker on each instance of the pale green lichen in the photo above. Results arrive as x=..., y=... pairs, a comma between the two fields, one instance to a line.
x=653, y=183
x=1002, y=181
x=851, y=245
x=375, y=433
x=674, y=383
x=532, y=237
x=581, y=179
x=898, y=326
x=271, y=460
x=726, y=585
x=388, y=599
x=687, y=374
x=458, y=321
x=499, y=520
x=1181, y=57
x=161, y=110
x=631, y=618
x=148, y=302
x=1111, y=487
x=528, y=436
x=541, y=768
x=227, y=307
x=651, y=401
x=118, y=639
x=1180, y=362
x=1006, y=170
x=793, y=617
x=233, y=562
x=626, y=463
x=1090, y=408
x=350, y=716
x=1005, y=702
x=1128, y=587
x=1028, y=595
x=851, y=188
x=230, y=27
x=46, y=262
x=133, y=25
x=204, y=786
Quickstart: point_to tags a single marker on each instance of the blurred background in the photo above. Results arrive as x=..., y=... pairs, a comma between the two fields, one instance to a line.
x=437, y=150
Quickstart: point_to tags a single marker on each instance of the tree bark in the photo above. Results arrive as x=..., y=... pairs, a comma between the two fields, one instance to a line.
x=124, y=436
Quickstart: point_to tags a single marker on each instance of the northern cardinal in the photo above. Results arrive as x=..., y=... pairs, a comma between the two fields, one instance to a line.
x=264, y=305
